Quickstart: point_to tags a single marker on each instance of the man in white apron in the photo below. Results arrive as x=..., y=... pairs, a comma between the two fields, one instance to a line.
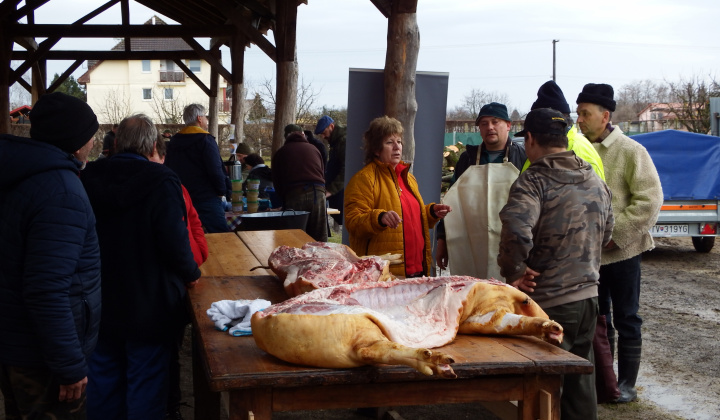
x=470, y=235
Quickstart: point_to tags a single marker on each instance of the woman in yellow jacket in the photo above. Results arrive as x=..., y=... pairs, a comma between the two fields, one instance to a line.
x=384, y=212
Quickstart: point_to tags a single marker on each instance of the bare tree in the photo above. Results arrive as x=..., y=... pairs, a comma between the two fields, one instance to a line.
x=305, y=100
x=167, y=111
x=115, y=107
x=692, y=102
x=474, y=100
x=633, y=97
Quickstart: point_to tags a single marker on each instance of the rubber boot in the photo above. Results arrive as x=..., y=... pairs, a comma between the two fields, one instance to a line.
x=628, y=367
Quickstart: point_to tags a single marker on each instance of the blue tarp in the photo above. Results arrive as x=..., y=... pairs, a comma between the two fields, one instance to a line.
x=688, y=163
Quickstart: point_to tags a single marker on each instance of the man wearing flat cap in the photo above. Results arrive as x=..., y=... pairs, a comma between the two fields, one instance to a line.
x=335, y=169
x=50, y=264
x=483, y=199
x=552, y=252
x=637, y=198
x=551, y=96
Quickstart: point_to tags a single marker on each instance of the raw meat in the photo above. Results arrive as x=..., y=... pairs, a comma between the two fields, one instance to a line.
x=321, y=264
x=395, y=322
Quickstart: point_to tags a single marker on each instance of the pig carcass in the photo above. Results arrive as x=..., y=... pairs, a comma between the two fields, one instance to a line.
x=322, y=264
x=396, y=322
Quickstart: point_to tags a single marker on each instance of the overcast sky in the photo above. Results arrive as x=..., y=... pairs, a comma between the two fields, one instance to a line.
x=501, y=46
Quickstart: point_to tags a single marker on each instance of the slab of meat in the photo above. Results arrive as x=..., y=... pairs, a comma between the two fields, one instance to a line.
x=322, y=264
x=395, y=322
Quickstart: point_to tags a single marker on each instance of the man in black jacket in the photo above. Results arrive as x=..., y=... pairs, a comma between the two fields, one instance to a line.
x=194, y=155
x=49, y=264
x=147, y=263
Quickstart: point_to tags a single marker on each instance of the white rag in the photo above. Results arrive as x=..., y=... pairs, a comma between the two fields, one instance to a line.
x=234, y=315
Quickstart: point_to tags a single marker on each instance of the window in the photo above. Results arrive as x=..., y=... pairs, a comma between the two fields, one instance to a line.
x=147, y=94
x=195, y=65
x=146, y=66
x=168, y=93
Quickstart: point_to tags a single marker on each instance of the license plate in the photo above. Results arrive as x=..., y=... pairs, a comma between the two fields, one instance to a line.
x=670, y=230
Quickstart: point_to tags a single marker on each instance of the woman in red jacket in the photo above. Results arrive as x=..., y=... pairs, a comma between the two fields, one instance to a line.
x=384, y=211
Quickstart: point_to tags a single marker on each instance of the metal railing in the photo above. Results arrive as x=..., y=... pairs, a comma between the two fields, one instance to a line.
x=172, y=76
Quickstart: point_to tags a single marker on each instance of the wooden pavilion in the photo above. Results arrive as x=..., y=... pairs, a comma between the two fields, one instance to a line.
x=234, y=23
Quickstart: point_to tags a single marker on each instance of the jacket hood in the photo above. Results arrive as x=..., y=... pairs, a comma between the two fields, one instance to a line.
x=21, y=158
x=564, y=167
x=124, y=179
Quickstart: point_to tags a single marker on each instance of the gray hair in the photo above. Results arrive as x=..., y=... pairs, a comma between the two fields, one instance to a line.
x=192, y=112
x=136, y=134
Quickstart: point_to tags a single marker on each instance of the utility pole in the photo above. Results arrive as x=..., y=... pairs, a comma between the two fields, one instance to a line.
x=555, y=41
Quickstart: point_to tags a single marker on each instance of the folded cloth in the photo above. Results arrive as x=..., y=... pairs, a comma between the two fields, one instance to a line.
x=234, y=316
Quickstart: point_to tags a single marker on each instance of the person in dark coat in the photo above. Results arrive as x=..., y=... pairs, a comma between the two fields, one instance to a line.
x=194, y=155
x=147, y=263
x=260, y=171
x=298, y=179
x=50, y=263
x=335, y=169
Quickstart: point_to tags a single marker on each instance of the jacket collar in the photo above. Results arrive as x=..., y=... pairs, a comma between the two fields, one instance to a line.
x=192, y=129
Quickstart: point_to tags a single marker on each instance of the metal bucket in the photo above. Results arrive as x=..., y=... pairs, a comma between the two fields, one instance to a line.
x=274, y=220
x=236, y=172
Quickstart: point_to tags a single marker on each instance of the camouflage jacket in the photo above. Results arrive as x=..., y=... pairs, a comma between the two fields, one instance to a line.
x=556, y=221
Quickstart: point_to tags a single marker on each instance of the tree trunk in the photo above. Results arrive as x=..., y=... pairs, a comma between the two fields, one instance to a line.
x=213, y=101
x=286, y=101
x=287, y=70
x=237, y=100
x=403, y=44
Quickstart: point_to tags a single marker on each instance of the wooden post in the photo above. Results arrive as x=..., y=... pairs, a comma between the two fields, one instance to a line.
x=237, y=100
x=403, y=45
x=5, y=51
x=213, y=101
x=287, y=70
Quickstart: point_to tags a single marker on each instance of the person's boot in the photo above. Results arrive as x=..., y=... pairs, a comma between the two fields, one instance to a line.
x=628, y=367
x=611, y=341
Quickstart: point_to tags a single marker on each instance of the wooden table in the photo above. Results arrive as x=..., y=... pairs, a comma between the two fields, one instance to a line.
x=522, y=369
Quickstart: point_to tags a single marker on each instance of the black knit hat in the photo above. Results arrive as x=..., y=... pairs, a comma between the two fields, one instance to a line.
x=63, y=121
x=493, y=109
x=544, y=121
x=551, y=96
x=290, y=128
x=599, y=94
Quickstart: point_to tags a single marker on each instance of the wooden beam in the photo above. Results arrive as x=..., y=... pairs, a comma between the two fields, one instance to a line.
x=241, y=22
x=64, y=76
x=125, y=16
x=119, y=31
x=26, y=10
x=26, y=42
x=214, y=63
x=5, y=83
x=384, y=6
x=46, y=45
x=39, y=80
x=111, y=55
x=191, y=75
x=212, y=100
x=237, y=112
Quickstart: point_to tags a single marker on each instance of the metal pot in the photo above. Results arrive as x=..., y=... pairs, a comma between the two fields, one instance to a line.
x=274, y=220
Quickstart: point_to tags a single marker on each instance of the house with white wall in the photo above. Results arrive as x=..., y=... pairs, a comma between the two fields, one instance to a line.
x=158, y=88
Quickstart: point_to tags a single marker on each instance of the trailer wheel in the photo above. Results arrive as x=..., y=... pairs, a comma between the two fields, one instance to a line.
x=703, y=243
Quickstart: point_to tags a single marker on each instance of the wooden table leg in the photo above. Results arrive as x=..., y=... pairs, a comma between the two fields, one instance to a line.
x=542, y=398
x=207, y=403
x=251, y=404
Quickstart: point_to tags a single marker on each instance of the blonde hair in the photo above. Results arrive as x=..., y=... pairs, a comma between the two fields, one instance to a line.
x=380, y=128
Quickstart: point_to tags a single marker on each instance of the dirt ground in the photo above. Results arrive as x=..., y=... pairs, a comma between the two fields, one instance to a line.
x=680, y=373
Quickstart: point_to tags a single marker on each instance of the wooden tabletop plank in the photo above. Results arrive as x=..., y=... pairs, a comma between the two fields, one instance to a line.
x=263, y=242
x=229, y=256
x=237, y=362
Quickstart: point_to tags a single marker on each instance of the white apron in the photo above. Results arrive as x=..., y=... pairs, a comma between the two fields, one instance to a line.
x=472, y=229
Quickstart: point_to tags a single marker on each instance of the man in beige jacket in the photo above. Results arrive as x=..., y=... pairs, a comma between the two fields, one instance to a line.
x=636, y=200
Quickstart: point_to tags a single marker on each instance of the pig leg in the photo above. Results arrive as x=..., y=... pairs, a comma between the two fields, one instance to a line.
x=501, y=321
x=425, y=361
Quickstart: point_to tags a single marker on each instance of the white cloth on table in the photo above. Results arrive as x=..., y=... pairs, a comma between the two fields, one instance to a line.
x=234, y=316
